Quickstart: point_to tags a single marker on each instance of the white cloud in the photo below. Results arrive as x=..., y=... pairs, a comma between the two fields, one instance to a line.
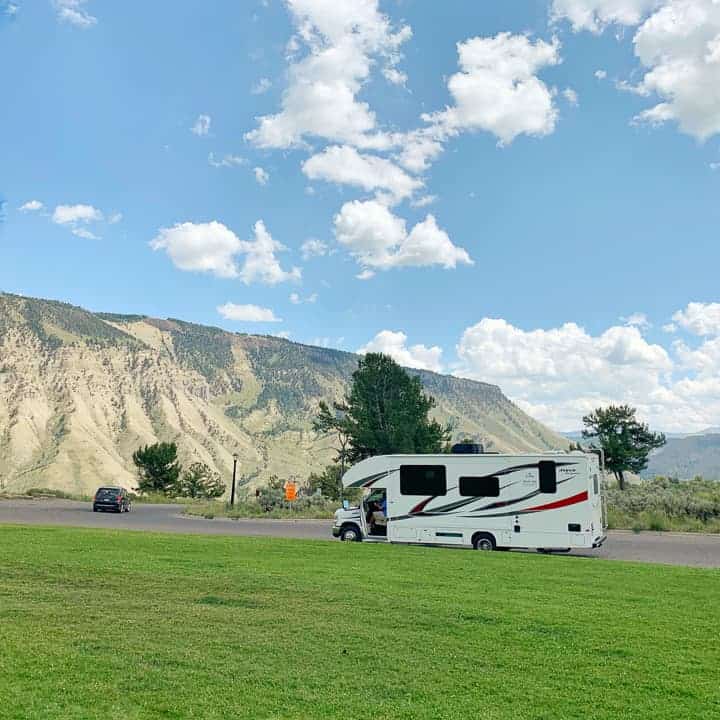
x=227, y=160
x=84, y=233
x=72, y=12
x=379, y=240
x=200, y=247
x=260, y=264
x=342, y=41
x=699, y=318
x=313, y=248
x=261, y=86
x=71, y=214
x=295, y=299
x=202, y=125
x=261, y=176
x=600, y=74
x=10, y=9
x=680, y=46
x=560, y=374
x=571, y=96
x=345, y=165
x=497, y=88
x=247, y=313
x=424, y=201
x=213, y=248
x=669, y=328
x=395, y=345
x=31, y=206
x=715, y=165
x=595, y=15
x=115, y=218
x=638, y=320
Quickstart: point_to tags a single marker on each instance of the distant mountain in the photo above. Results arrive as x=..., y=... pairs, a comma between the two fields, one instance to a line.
x=80, y=391
x=687, y=457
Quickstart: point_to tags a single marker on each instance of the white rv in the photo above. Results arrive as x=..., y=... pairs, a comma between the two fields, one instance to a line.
x=551, y=502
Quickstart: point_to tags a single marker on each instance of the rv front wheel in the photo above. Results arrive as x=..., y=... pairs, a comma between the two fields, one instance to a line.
x=350, y=533
x=484, y=541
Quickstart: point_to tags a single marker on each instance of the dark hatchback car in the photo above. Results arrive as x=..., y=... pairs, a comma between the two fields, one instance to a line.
x=111, y=498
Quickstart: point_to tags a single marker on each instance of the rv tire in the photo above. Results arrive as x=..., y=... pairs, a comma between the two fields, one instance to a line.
x=484, y=541
x=350, y=533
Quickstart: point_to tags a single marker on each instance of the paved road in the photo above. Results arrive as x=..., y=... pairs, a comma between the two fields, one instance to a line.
x=671, y=548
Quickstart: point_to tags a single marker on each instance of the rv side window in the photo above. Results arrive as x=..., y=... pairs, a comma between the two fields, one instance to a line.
x=548, y=476
x=596, y=485
x=480, y=486
x=422, y=480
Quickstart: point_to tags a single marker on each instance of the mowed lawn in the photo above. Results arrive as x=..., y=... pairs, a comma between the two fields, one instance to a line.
x=98, y=624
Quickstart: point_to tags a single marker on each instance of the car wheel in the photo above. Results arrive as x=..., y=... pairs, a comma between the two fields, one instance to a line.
x=95, y=509
x=350, y=533
x=484, y=541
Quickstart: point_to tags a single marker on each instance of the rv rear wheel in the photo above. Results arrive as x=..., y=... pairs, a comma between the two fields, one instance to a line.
x=350, y=533
x=484, y=541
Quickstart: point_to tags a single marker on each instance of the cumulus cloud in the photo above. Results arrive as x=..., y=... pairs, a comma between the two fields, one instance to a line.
x=72, y=214
x=345, y=165
x=560, y=374
x=213, y=248
x=262, y=177
x=498, y=90
x=377, y=239
x=395, y=345
x=600, y=74
x=678, y=45
x=699, y=318
x=201, y=126
x=247, y=313
x=313, y=248
x=596, y=15
x=31, y=206
x=341, y=41
x=73, y=12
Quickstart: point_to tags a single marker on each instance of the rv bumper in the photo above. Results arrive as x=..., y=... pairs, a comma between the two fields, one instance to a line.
x=599, y=541
x=336, y=531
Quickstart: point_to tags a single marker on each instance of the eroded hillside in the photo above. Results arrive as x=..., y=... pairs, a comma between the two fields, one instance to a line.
x=79, y=391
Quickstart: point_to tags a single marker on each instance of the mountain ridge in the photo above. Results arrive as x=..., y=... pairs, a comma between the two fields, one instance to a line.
x=79, y=391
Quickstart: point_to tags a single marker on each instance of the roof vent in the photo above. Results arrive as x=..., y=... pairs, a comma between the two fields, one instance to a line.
x=467, y=449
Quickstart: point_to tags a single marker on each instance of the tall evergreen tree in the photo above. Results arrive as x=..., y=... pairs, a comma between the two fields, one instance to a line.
x=385, y=412
x=158, y=468
x=625, y=441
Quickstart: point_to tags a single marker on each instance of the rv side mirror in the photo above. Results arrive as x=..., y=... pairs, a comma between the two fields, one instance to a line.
x=548, y=476
x=346, y=504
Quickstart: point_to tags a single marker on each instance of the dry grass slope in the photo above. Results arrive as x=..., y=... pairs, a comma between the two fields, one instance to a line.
x=79, y=391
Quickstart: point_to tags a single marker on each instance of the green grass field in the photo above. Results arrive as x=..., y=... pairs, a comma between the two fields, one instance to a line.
x=114, y=625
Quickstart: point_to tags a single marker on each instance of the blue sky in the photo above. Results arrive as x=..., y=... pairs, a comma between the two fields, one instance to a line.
x=524, y=193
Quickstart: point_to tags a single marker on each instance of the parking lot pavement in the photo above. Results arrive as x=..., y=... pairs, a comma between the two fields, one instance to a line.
x=672, y=548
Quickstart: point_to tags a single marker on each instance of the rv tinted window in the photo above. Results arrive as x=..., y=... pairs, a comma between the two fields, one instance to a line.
x=422, y=480
x=480, y=486
x=548, y=477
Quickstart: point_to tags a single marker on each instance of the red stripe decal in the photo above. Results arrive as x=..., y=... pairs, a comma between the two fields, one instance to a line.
x=572, y=500
x=420, y=506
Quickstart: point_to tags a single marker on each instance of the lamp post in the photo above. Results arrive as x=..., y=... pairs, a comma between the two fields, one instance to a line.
x=232, y=491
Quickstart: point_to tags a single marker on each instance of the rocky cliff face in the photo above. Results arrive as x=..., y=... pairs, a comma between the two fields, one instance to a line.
x=80, y=391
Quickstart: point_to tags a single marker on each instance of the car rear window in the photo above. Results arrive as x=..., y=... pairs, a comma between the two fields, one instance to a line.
x=104, y=492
